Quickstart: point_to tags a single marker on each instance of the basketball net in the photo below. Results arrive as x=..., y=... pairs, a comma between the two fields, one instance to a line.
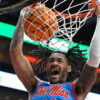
x=70, y=19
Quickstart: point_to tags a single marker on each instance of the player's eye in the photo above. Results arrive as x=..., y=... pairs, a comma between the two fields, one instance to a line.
x=60, y=60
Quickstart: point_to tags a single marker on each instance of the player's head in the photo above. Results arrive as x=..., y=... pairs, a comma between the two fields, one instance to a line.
x=69, y=70
x=58, y=67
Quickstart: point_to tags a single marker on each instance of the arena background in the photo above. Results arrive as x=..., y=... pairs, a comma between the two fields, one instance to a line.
x=9, y=88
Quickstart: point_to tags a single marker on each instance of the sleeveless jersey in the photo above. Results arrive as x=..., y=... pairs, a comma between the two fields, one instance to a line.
x=47, y=91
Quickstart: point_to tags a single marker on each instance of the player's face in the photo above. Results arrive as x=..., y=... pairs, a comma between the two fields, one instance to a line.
x=57, y=68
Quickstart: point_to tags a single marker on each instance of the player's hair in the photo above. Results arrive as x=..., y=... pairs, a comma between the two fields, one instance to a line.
x=75, y=58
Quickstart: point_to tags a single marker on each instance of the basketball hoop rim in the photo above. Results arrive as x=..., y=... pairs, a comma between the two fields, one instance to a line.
x=94, y=3
x=77, y=15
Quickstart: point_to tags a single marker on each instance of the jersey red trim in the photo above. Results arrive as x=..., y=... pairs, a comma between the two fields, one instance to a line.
x=73, y=90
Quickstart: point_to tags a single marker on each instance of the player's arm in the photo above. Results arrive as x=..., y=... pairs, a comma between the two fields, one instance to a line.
x=21, y=65
x=88, y=75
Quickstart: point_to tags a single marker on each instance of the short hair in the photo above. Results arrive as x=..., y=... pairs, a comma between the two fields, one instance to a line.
x=75, y=58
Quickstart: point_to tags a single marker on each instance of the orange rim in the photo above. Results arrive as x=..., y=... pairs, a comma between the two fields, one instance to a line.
x=98, y=70
x=77, y=15
x=94, y=3
x=74, y=15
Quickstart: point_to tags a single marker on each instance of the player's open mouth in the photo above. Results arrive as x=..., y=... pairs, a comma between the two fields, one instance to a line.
x=55, y=72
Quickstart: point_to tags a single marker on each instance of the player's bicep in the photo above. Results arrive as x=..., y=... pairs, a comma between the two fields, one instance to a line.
x=85, y=81
x=24, y=71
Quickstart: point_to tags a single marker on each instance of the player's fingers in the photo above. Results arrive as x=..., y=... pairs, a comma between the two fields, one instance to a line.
x=90, y=6
x=98, y=9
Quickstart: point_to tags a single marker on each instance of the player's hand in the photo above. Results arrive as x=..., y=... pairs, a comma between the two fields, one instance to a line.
x=97, y=9
x=26, y=10
x=97, y=12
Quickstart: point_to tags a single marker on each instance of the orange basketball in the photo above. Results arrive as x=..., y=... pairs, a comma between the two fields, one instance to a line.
x=40, y=22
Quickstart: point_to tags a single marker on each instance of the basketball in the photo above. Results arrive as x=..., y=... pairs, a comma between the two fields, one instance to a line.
x=40, y=23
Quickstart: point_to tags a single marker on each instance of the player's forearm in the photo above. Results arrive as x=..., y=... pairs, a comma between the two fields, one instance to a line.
x=17, y=40
x=94, y=52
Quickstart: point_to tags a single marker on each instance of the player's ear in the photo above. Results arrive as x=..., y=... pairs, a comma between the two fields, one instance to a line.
x=69, y=68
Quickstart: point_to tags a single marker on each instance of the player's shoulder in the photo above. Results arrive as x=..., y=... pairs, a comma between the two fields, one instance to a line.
x=39, y=81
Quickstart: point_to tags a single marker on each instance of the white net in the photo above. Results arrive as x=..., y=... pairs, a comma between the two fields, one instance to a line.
x=71, y=15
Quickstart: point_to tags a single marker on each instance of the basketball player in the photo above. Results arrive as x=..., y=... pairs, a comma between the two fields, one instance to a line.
x=58, y=68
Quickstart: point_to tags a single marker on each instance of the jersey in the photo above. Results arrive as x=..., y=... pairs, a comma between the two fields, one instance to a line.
x=47, y=91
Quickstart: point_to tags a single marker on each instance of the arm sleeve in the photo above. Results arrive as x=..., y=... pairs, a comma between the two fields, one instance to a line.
x=94, y=51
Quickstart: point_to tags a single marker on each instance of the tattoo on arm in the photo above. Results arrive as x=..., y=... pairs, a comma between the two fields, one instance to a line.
x=86, y=80
x=18, y=35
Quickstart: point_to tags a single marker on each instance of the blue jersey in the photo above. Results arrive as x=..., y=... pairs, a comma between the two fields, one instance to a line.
x=47, y=91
